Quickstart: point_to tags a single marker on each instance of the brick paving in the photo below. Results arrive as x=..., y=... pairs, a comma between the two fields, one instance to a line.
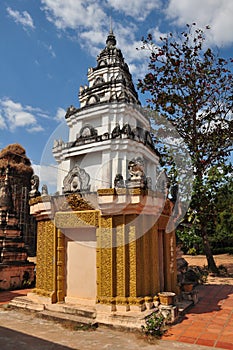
x=210, y=321
x=6, y=296
x=208, y=324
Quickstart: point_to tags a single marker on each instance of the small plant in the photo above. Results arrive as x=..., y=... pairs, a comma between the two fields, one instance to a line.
x=155, y=325
x=74, y=326
x=192, y=251
x=222, y=270
x=83, y=327
x=201, y=272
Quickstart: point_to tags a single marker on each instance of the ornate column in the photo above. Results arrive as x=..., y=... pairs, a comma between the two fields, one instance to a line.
x=60, y=266
x=104, y=261
x=169, y=243
x=40, y=208
x=128, y=258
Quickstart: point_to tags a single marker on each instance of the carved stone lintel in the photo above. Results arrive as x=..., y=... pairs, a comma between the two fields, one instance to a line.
x=75, y=202
x=77, y=180
x=88, y=131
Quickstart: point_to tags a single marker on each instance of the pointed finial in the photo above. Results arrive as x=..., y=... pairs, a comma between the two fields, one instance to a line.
x=111, y=40
x=110, y=30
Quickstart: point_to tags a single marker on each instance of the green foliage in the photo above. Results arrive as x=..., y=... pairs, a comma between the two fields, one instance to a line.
x=191, y=241
x=223, y=250
x=201, y=273
x=224, y=218
x=191, y=87
x=155, y=325
x=217, y=213
x=192, y=251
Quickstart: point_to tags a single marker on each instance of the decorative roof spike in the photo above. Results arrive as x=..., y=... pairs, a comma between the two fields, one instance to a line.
x=110, y=30
x=111, y=40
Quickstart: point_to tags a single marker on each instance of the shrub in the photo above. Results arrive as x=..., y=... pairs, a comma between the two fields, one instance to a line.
x=155, y=325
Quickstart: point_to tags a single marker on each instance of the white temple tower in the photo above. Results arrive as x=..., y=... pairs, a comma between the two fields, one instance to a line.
x=107, y=132
x=102, y=241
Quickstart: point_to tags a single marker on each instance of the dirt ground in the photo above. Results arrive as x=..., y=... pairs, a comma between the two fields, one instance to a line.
x=225, y=260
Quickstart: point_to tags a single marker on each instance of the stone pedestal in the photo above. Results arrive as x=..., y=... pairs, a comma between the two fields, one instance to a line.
x=170, y=312
x=191, y=296
x=120, y=254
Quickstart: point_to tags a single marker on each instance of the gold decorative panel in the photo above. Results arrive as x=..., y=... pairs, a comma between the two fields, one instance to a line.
x=76, y=219
x=119, y=254
x=104, y=259
x=146, y=244
x=60, y=266
x=40, y=266
x=106, y=191
x=131, y=265
x=45, y=267
x=154, y=250
x=170, y=262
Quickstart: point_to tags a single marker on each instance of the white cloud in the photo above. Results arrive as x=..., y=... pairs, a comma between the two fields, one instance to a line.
x=74, y=14
x=138, y=9
x=216, y=13
x=34, y=129
x=13, y=115
x=47, y=175
x=50, y=49
x=92, y=40
x=2, y=123
x=22, y=18
x=91, y=22
x=60, y=115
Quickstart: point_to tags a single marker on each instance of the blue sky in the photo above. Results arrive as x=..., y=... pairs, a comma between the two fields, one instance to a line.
x=47, y=46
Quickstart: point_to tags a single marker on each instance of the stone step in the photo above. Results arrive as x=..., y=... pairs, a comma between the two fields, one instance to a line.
x=183, y=306
x=71, y=314
x=76, y=310
x=25, y=303
x=70, y=319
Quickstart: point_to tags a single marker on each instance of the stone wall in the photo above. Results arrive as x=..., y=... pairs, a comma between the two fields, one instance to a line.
x=16, y=276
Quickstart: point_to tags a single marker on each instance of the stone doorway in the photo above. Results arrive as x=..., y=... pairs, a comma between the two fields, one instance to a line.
x=80, y=248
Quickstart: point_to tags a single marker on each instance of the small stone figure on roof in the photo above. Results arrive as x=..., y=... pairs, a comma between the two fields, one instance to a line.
x=70, y=110
x=116, y=131
x=119, y=181
x=34, y=187
x=137, y=176
x=44, y=190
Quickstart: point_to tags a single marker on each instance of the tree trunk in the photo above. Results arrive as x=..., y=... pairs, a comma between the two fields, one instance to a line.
x=212, y=267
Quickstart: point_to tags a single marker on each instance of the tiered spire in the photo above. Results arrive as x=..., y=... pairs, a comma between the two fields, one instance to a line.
x=111, y=80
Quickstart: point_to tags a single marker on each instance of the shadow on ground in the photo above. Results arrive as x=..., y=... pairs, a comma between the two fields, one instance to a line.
x=13, y=340
x=211, y=298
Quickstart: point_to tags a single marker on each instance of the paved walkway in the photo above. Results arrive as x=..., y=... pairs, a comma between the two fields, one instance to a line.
x=210, y=321
x=6, y=296
x=209, y=324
